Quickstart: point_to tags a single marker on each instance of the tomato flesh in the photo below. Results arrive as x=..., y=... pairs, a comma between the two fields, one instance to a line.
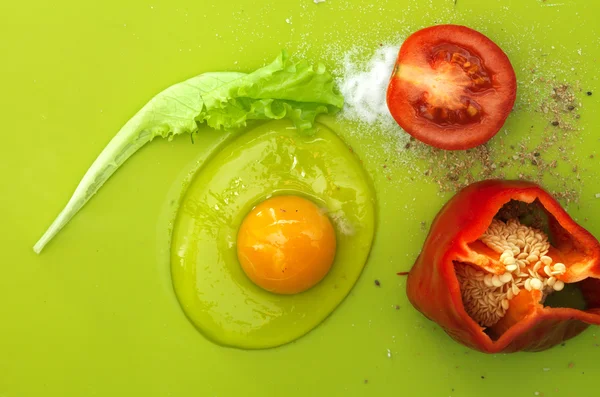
x=470, y=64
x=461, y=71
x=452, y=87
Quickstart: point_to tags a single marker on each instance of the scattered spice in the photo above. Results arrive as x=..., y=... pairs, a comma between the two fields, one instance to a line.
x=560, y=102
x=452, y=171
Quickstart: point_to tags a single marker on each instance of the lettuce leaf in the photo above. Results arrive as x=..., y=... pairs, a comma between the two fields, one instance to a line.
x=222, y=100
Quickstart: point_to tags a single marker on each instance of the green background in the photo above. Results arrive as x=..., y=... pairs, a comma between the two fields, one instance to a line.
x=95, y=314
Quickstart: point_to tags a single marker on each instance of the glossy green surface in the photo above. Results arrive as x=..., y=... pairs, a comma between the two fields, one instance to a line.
x=96, y=313
x=273, y=159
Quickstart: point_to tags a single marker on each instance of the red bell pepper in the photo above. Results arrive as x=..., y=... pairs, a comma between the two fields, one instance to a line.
x=465, y=279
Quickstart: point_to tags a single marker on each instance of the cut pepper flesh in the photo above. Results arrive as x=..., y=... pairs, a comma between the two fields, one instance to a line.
x=484, y=274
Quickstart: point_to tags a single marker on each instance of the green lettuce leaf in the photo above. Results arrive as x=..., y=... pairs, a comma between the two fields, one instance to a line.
x=222, y=100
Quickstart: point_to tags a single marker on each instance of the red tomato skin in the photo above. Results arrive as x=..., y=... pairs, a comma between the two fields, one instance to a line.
x=497, y=104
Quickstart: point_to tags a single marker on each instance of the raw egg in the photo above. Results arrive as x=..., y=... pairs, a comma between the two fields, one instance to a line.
x=286, y=244
x=248, y=270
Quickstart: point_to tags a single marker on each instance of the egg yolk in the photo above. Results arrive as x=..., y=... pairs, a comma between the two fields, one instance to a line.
x=286, y=244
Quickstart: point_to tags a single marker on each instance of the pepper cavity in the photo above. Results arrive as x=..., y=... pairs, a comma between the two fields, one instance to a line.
x=524, y=256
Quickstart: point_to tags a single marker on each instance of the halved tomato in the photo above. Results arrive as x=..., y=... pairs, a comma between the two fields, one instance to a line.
x=452, y=87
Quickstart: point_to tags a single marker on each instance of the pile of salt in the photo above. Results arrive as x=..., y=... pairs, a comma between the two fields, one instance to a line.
x=364, y=86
